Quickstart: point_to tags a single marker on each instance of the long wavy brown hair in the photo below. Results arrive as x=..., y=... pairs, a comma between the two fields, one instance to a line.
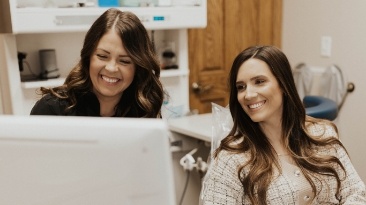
x=297, y=139
x=144, y=97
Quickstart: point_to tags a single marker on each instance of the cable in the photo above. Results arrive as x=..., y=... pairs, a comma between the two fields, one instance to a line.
x=189, y=163
x=185, y=187
x=32, y=76
x=29, y=68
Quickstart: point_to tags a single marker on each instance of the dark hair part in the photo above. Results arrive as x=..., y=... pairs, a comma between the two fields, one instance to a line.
x=144, y=97
x=294, y=131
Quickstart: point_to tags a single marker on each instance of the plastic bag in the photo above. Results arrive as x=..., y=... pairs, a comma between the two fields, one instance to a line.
x=222, y=124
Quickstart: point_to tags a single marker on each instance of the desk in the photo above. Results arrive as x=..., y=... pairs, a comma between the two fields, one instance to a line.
x=191, y=130
x=196, y=126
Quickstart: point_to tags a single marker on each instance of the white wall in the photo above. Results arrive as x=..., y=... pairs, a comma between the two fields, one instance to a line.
x=304, y=22
x=1, y=103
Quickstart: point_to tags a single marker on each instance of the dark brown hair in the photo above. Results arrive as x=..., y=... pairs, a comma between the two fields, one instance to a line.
x=294, y=131
x=144, y=97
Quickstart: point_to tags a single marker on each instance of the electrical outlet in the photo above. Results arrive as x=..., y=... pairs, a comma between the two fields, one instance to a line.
x=326, y=46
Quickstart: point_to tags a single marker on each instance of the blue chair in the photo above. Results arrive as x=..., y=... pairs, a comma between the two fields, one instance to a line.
x=320, y=107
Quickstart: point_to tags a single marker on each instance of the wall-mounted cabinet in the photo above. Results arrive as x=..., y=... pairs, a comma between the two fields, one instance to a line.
x=30, y=29
x=31, y=20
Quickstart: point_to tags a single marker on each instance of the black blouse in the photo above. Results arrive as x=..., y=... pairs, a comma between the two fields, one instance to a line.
x=87, y=105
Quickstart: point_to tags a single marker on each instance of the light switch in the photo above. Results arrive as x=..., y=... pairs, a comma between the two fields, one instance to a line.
x=326, y=46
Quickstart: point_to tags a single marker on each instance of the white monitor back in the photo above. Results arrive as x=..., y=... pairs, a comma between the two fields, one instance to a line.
x=84, y=161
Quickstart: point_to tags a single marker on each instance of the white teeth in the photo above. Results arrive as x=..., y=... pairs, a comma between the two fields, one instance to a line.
x=109, y=80
x=256, y=105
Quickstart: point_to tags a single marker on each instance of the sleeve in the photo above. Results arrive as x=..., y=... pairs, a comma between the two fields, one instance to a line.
x=352, y=187
x=45, y=106
x=221, y=185
x=352, y=190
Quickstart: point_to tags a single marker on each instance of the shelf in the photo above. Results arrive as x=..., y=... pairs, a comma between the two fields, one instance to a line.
x=46, y=20
x=173, y=73
x=60, y=81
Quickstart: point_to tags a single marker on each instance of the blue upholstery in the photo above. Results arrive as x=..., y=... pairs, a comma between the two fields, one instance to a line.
x=320, y=107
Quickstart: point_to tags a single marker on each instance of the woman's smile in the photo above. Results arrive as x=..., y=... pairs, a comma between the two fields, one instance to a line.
x=257, y=105
x=109, y=79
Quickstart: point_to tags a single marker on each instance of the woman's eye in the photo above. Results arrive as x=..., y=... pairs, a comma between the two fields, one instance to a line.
x=125, y=61
x=259, y=81
x=240, y=87
x=101, y=56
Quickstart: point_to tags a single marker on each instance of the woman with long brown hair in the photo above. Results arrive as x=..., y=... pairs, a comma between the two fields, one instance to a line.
x=275, y=153
x=117, y=75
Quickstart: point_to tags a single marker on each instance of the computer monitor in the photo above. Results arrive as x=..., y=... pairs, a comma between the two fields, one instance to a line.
x=49, y=160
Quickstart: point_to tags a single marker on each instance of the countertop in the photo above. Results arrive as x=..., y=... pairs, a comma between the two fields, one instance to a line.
x=196, y=126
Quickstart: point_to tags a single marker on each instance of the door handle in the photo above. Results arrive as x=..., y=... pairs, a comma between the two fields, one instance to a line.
x=199, y=89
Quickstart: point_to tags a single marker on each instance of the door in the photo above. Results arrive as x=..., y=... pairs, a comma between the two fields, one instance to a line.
x=206, y=61
x=232, y=25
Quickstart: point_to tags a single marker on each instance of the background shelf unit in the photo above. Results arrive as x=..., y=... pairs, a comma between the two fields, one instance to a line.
x=63, y=29
x=37, y=20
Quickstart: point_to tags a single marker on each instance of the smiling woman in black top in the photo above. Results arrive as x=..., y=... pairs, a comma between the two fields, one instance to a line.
x=117, y=75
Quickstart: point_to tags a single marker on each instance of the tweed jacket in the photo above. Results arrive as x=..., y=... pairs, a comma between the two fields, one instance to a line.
x=221, y=185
